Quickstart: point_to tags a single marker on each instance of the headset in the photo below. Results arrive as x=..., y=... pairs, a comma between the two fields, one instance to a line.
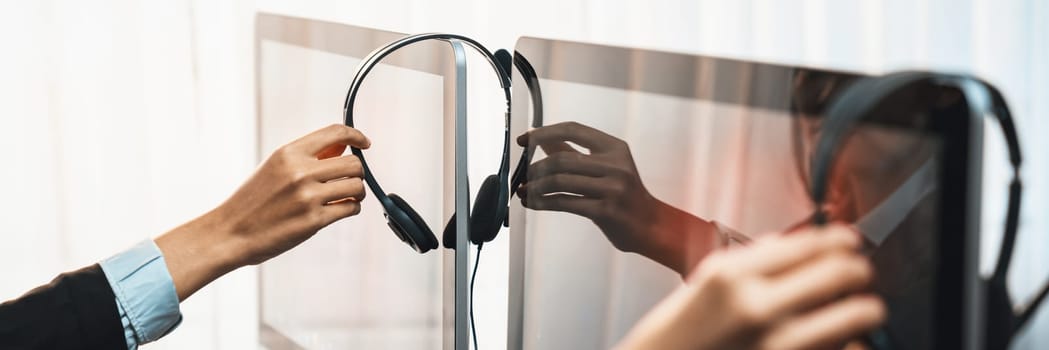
x=520, y=171
x=532, y=83
x=489, y=209
x=859, y=100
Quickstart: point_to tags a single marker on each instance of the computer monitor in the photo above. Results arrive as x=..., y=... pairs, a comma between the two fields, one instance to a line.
x=662, y=157
x=355, y=284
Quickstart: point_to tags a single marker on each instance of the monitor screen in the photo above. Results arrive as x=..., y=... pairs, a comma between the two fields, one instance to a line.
x=653, y=160
x=355, y=284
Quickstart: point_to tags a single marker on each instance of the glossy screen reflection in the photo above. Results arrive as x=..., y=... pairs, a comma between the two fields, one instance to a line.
x=646, y=162
x=355, y=284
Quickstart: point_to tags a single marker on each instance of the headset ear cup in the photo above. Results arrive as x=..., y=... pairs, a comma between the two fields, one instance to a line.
x=487, y=215
x=486, y=218
x=448, y=237
x=412, y=225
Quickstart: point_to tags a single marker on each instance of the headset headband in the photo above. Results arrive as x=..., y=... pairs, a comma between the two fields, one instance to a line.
x=376, y=56
x=532, y=82
x=862, y=97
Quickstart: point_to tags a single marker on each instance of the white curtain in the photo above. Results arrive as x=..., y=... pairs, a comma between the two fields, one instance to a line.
x=122, y=119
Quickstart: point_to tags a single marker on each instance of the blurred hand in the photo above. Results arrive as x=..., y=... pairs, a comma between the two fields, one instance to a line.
x=804, y=290
x=604, y=186
x=301, y=188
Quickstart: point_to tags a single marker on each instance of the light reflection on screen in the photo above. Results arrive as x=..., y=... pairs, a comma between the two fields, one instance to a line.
x=649, y=171
x=355, y=285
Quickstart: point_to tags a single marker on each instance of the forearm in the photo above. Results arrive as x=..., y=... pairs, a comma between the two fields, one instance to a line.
x=679, y=239
x=198, y=252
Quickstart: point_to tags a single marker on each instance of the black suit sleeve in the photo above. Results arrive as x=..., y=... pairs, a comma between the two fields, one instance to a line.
x=77, y=310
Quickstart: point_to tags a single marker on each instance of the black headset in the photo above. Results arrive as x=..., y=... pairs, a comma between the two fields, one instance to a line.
x=490, y=207
x=859, y=100
x=532, y=83
x=520, y=171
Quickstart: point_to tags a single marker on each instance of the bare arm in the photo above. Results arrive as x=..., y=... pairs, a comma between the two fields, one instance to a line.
x=304, y=186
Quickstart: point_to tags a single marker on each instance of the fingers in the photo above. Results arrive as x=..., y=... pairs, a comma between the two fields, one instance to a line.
x=583, y=206
x=331, y=151
x=820, y=281
x=832, y=325
x=580, y=134
x=590, y=187
x=855, y=345
x=338, y=168
x=352, y=188
x=335, y=134
x=557, y=147
x=568, y=162
x=333, y=212
x=339, y=185
x=772, y=255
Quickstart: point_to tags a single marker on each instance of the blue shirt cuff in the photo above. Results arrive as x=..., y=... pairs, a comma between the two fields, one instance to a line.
x=145, y=293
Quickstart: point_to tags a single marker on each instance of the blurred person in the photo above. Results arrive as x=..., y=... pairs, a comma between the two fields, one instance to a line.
x=133, y=297
x=805, y=289
x=884, y=182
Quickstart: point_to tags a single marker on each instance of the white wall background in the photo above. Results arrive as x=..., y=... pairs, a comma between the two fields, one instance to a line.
x=122, y=119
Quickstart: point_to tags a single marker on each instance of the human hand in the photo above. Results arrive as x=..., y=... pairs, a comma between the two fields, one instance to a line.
x=804, y=290
x=302, y=187
x=604, y=186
